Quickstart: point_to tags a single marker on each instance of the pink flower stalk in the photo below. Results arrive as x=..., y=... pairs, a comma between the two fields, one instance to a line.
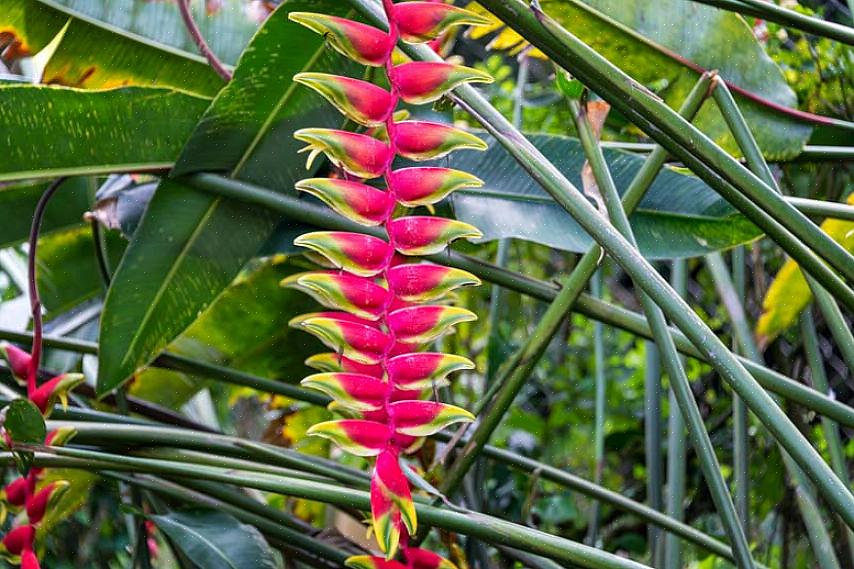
x=383, y=304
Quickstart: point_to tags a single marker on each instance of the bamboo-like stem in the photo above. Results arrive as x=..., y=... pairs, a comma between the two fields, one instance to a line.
x=599, y=410
x=652, y=442
x=676, y=452
x=802, y=239
x=475, y=524
x=740, y=419
x=199, y=40
x=667, y=349
x=831, y=430
x=839, y=329
x=783, y=16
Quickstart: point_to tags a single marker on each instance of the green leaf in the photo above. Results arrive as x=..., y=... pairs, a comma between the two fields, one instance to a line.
x=83, y=132
x=679, y=217
x=665, y=45
x=227, y=28
x=121, y=58
x=189, y=245
x=24, y=422
x=215, y=540
x=18, y=202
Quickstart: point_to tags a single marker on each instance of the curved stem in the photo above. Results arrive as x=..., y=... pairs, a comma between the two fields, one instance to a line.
x=199, y=40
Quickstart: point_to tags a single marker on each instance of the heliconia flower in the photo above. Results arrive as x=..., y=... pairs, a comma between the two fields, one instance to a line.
x=424, y=418
x=360, y=296
x=423, y=282
x=421, y=324
x=418, y=558
x=359, y=154
x=331, y=362
x=359, y=100
x=426, y=185
x=424, y=369
x=424, y=140
x=391, y=503
x=356, y=436
x=372, y=562
x=427, y=235
x=425, y=81
x=362, y=255
x=15, y=492
x=43, y=500
x=56, y=389
x=420, y=22
x=357, y=341
x=352, y=390
x=361, y=43
x=29, y=560
x=60, y=436
x=361, y=203
x=19, y=538
x=18, y=360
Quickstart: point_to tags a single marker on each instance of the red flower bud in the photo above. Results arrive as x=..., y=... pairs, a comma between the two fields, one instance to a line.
x=41, y=501
x=19, y=538
x=29, y=560
x=18, y=360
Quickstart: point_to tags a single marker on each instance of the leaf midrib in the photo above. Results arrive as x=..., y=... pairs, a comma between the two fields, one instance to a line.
x=196, y=534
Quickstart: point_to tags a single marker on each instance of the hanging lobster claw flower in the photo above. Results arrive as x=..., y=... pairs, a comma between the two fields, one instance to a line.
x=18, y=360
x=426, y=185
x=56, y=389
x=18, y=539
x=424, y=418
x=15, y=492
x=420, y=22
x=424, y=140
x=356, y=436
x=362, y=43
x=426, y=81
x=372, y=562
x=391, y=503
x=358, y=154
x=29, y=560
x=361, y=203
x=422, y=324
x=59, y=437
x=363, y=102
x=424, y=369
x=331, y=362
x=417, y=558
x=423, y=282
x=45, y=499
x=357, y=341
x=362, y=255
x=359, y=296
x=351, y=390
x=427, y=235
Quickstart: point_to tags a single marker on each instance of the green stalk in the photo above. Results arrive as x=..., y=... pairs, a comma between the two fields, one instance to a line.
x=741, y=424
x=652, y=443
x=823, y=209
x=831, y=430
x=221, y=445
x=270, y=521
x=667, y=350
x=839, y=329
x=466, y=522
x=802, y=239
x=599, y=413
x=774, y=13
x=676, y=452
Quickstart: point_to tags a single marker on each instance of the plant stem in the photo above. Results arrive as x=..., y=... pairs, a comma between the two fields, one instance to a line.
x=32, y=284
x=676, y=455
x=667, y=349
x=741, y=422
x=652, y=442
x=199, y=40
x=599, y=410
x=774, y=13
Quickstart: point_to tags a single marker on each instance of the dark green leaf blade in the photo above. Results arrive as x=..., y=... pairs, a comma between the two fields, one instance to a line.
x=679, y=217
x=215, y=540
x=54, y=131
x=189, y=245
x=18, y=202
x=24, y=422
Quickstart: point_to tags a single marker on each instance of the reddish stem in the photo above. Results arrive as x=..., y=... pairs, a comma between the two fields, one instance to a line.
x=199, y=40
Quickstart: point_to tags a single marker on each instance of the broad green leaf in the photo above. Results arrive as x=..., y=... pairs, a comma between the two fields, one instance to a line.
x=53, y=131
x=664, y=44
x=95, y=55
x=215, y=540
x=789, y=292
x=24, y=422
x=679, y=217
x=190, y=245
x=18, y=202
x=226, y=25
